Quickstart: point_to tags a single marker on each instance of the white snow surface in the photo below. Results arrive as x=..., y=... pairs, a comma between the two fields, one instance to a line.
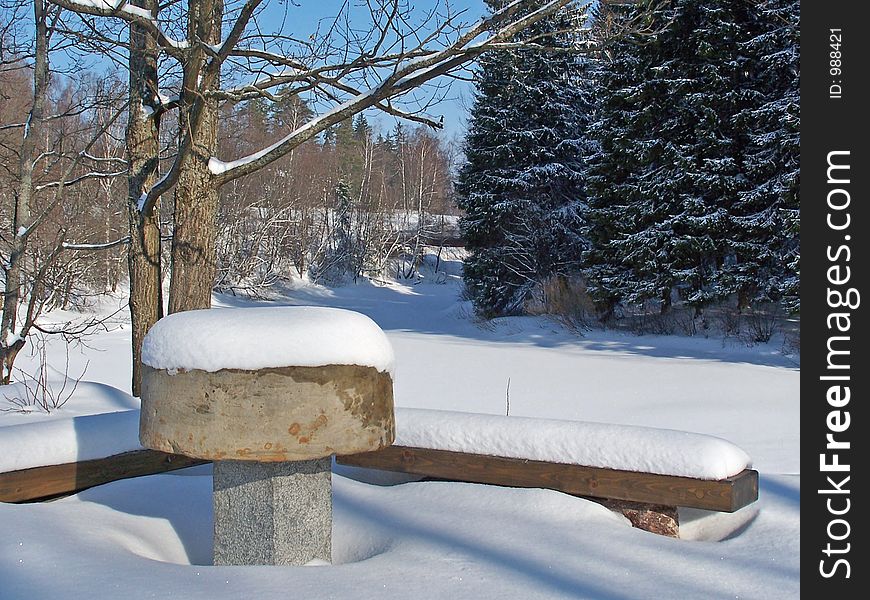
x=151, y=537
x=260, y=338
x=61, y=441
x=610, y=446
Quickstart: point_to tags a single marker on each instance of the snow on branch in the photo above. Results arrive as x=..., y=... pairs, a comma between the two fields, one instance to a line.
x=95, y=247
x=79, y=179
x=122, y=9
x=412, y=70
x=105, y=159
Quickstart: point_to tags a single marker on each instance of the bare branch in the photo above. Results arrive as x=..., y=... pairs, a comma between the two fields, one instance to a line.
x=79, y=179
x=407, y=75
x=121, y=9
x=95, y=247
x=59, y=188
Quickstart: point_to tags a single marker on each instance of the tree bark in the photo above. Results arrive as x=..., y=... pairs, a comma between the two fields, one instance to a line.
x=193, y=241
x=142, y=138
x=196, y=193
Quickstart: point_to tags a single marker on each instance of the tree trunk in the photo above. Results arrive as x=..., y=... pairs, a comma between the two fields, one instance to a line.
x=146, y=298
x=196, y=193
x=665, y=308
x=143, y=128
x=743, y=299
x=193, y=240
x=11, y=340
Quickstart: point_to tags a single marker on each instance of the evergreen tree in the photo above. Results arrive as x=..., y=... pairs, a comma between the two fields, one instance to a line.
x=289, y=113
x=764, y=232
x=340, y=260
x=361, y=128
x=610, y=164
x=669, y=174
x=347, y=151
x=522, y=187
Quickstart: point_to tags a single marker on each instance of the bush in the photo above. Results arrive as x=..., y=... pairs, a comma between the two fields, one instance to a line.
x=566, y=299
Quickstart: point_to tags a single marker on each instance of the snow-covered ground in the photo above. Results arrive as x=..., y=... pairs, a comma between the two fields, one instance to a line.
x=151, y=537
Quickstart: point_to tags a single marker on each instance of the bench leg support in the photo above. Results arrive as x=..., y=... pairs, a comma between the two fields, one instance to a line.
x=655, y=518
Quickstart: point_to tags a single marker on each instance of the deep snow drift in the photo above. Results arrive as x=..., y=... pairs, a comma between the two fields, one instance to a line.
x=151, y=538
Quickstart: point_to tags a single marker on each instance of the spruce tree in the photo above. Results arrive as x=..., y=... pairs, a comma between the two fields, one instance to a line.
x=764, y=230
x=340, y=259
x=612, y=160
x=522, y=186
x=669, y=173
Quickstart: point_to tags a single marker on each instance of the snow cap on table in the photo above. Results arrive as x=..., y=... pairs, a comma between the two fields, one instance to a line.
x=604, y=445
x=261, y=338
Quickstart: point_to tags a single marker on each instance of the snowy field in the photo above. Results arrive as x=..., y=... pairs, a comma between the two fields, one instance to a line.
x=151, y=537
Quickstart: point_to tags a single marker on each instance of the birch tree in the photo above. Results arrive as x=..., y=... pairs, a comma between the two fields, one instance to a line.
x=49, y=162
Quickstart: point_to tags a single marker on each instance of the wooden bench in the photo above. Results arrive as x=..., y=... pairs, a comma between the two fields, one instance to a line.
x=518, y=453
x=649, y=500
x=43, y=483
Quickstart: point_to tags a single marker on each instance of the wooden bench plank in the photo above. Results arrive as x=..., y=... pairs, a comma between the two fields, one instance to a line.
x=55, y=480
x=726, y=495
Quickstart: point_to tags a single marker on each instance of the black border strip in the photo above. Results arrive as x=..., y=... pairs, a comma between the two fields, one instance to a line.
x=834, y=110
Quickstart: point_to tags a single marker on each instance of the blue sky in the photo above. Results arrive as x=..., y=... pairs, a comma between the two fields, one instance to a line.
x=302, y=19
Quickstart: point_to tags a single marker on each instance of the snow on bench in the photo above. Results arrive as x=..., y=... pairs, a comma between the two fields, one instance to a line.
x=604, y=445
x=644, y=473
x=60, y=441
x=43, y=459
x=647, y=472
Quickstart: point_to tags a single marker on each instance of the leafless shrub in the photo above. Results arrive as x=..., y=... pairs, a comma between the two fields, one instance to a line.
x=567, y=300
x=649, y=320
x=761, y=324
x=35, y=392
x=791, y=343
x=730, y=321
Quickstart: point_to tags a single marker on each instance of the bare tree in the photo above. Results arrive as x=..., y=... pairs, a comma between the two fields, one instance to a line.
x=343, y=69
x=143, y=154
x=50, y=162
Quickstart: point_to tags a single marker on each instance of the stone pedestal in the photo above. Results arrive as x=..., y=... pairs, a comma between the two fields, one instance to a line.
x=277, y=513
x=269, y=415
x=271, y=434
x=271, y=431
